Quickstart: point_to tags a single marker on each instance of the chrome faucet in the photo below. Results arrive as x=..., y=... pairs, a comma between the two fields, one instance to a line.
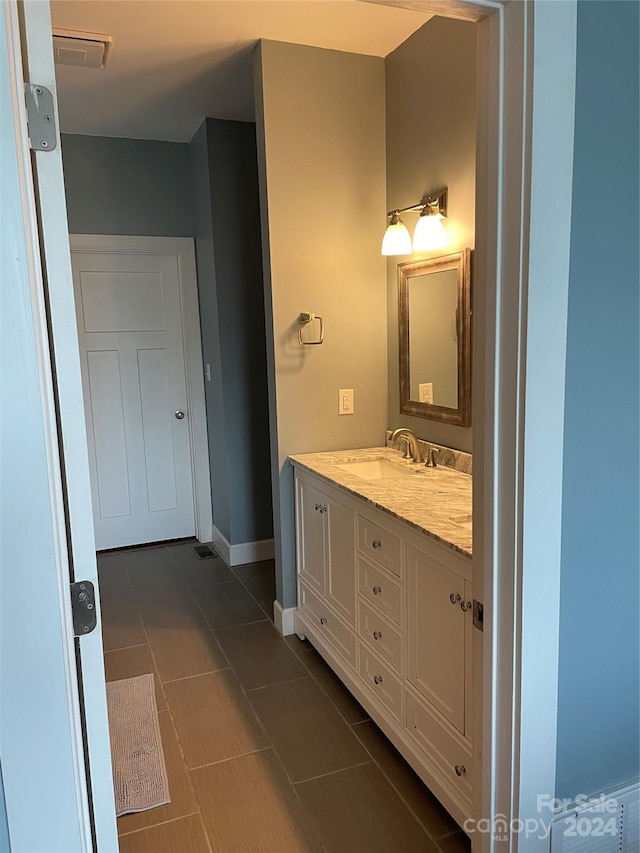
x=412, y=443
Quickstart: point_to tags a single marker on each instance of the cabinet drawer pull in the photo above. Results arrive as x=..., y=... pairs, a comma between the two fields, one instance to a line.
x=376, y=543
x=454, y=598
x=377, y=590
x=460, y=769
x=323, y=620
x=377, y=635
x=377, y=679
x=465, y=605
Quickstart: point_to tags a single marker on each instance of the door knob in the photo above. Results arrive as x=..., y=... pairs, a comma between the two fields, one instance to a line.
x=179, y=416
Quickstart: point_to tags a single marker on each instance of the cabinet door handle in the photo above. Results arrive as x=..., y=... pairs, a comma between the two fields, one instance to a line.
x=376, y=543
x=377, y=679
x=454, y=598
x=323, y=509
x=377, y=635
x=317, y=507
x=377, y=590
x=465, y=605
x=460, y=769
x=323, y=620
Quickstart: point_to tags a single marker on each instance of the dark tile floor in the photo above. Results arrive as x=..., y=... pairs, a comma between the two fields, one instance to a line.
x=266, y=750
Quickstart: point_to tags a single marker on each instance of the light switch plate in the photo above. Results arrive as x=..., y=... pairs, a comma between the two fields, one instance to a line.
x=345, y=401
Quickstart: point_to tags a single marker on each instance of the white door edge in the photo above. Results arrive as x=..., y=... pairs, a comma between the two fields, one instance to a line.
x=27, y=37
x=183, y=248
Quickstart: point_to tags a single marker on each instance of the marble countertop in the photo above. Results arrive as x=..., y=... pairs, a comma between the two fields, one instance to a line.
x=436, y=501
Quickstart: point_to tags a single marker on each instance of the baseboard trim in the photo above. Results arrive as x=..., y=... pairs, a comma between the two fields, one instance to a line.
x=284, y=619
x=243, y=552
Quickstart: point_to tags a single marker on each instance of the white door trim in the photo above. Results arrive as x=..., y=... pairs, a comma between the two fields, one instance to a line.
x=184, y=250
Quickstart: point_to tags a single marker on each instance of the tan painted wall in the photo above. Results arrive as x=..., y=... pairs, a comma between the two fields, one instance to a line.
x=431, y=137
x=320, y=118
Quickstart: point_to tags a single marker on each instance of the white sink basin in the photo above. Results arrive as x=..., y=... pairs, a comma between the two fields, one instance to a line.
x=463, y=521
x=378, y=469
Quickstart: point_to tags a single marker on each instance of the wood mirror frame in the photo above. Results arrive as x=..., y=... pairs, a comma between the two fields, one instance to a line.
x=460, y=261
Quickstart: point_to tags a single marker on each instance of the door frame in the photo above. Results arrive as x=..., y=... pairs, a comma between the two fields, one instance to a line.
x=526, y=108
x=183, y=249
x=525, y=137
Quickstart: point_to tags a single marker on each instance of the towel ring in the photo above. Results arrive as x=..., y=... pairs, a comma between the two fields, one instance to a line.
x=308, y=317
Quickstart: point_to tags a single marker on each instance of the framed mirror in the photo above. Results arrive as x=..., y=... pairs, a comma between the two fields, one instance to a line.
x=434, y=315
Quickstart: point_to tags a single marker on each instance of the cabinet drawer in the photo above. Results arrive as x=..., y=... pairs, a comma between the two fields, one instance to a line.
x=378, y=588
x=328, y=625
x=376, y=542
x=381, y=679
x=379, y=632
x=450, y=752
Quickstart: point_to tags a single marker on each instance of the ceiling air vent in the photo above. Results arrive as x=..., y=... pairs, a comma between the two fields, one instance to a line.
x=71, y=47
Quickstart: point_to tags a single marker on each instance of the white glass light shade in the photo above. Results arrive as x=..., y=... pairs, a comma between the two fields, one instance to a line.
x=429, y=233
x=396, y=240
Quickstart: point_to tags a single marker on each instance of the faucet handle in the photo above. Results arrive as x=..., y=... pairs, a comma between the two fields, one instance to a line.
x=432, y=453
x=407, y=448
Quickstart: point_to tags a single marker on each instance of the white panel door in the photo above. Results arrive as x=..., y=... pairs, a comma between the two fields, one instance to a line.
x=128, y=309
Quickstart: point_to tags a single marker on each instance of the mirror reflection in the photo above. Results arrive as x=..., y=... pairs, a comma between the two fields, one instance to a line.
x=434, y=326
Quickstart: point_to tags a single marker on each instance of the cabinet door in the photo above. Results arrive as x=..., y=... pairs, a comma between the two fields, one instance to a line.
x=341, y=569
x=436, y=635
x=311, y=527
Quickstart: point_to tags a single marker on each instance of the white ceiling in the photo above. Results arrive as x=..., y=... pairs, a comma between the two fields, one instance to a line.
x=173, y=62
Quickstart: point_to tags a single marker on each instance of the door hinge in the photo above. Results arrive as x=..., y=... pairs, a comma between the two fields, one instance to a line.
x=478, y=615
x=83, y=608
x=40, y=117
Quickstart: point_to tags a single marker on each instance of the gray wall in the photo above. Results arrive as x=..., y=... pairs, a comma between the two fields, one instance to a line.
x=320, y=125
x=210, y=332
x=431, y=139
x=599, y=680
x=228, y=250
x=127, y=186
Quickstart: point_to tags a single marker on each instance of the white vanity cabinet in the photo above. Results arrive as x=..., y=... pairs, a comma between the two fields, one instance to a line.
x=438, y=634
x=326, y=571
x=388, y=609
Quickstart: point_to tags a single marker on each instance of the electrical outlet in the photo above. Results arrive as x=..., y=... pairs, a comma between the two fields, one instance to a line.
x=425, y=392
x=345, y=401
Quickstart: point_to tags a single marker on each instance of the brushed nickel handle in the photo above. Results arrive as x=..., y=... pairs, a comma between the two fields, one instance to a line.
x=376, y=543
x=377, y=590
x=460, y=769
x=454, y=598
x=465, y=605
x=323, y=620
x=377, y=679
x=377, y=635
x=179, y=415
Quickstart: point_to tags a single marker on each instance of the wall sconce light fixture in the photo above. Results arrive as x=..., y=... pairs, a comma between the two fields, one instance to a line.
x=429, y=233
x=396, y=240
